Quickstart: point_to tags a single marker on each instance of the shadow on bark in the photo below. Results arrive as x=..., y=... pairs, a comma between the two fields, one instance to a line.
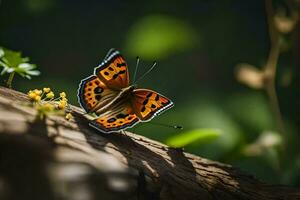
x=23, y=165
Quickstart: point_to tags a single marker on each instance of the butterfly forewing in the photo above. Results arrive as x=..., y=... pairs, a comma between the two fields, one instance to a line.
x=147, y=103
x=93, y=92
x=120, y=117
x=109, y=53
x=113, y=71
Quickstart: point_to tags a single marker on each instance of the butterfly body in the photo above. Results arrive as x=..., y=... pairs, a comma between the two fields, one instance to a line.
x=117, y=104
x=123, y=95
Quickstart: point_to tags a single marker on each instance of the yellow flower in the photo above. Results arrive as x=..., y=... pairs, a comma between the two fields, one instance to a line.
x=69, y=116
x=34, y=95
x=37, y=92
x=64, y=99
x=46, y=90
x=50, y=95
x=62, y=95
x=31, y=94
x=62, y=104
x=37, y=98
x=48, y=107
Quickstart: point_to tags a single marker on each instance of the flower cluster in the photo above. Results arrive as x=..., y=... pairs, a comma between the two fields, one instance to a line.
x=46, y=103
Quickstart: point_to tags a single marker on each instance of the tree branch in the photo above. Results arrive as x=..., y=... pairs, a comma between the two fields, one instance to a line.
x=59, y=159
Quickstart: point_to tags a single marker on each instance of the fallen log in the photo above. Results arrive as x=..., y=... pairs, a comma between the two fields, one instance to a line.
x=59, y=159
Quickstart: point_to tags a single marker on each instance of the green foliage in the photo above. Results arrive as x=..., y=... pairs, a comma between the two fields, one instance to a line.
x=13, y=62
x=211, y=114
x=252, y=110
x=37, y=6
x=194, y=136
x=157, y=36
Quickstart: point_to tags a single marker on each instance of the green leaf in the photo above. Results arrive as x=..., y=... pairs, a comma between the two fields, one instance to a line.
x=4, y=70
x=194, y=136
x=10, y=70
x=12, y=61
x=2, y=64
x=157, y=36
x=13, y=58
x=1, y=52
x=28, y=77
x=26, y=66
x=34, y=73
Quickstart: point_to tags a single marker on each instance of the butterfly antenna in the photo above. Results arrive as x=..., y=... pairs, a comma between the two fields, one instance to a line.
x=136, y=68
x=147, y=72
x=167, y=125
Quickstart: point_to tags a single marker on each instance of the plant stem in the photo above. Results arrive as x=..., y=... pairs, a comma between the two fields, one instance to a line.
x=271, y=68
x=270, y=71
x=10, y=79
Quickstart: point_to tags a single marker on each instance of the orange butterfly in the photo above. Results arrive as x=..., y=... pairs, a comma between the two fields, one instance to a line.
x=117, y=104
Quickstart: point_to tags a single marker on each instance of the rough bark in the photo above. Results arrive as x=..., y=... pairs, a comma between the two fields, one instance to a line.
x=59, y=159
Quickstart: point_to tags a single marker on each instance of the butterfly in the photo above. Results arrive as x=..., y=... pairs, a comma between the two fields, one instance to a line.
x=116, y=104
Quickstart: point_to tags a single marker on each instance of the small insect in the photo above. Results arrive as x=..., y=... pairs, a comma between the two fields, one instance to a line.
x=116, y=104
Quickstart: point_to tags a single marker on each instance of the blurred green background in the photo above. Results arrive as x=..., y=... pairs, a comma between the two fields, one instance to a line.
x=198, y=45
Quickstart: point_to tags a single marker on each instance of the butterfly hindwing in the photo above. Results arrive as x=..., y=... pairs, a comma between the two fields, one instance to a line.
x=120, y=117
x=113, y=70
x=148, y=104
x=92, y=92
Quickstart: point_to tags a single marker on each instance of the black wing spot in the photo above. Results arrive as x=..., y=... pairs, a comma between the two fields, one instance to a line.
x=145, y=102
x=98, y=97
x=157, y=97
x=115, y=76
x=143, y=109
x=98, y=90
x=106, y=73
x=111, y=69
x=111, y=120
x=122, y=72
x=121, y=64
x=149, y=95
x=121, y=115
x=153, y=106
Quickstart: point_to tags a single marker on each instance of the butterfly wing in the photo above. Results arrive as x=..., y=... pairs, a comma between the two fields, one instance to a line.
x=94, y=93
x=148, y=104
x=113, y=71
x=109, y=53
x=120, y=117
